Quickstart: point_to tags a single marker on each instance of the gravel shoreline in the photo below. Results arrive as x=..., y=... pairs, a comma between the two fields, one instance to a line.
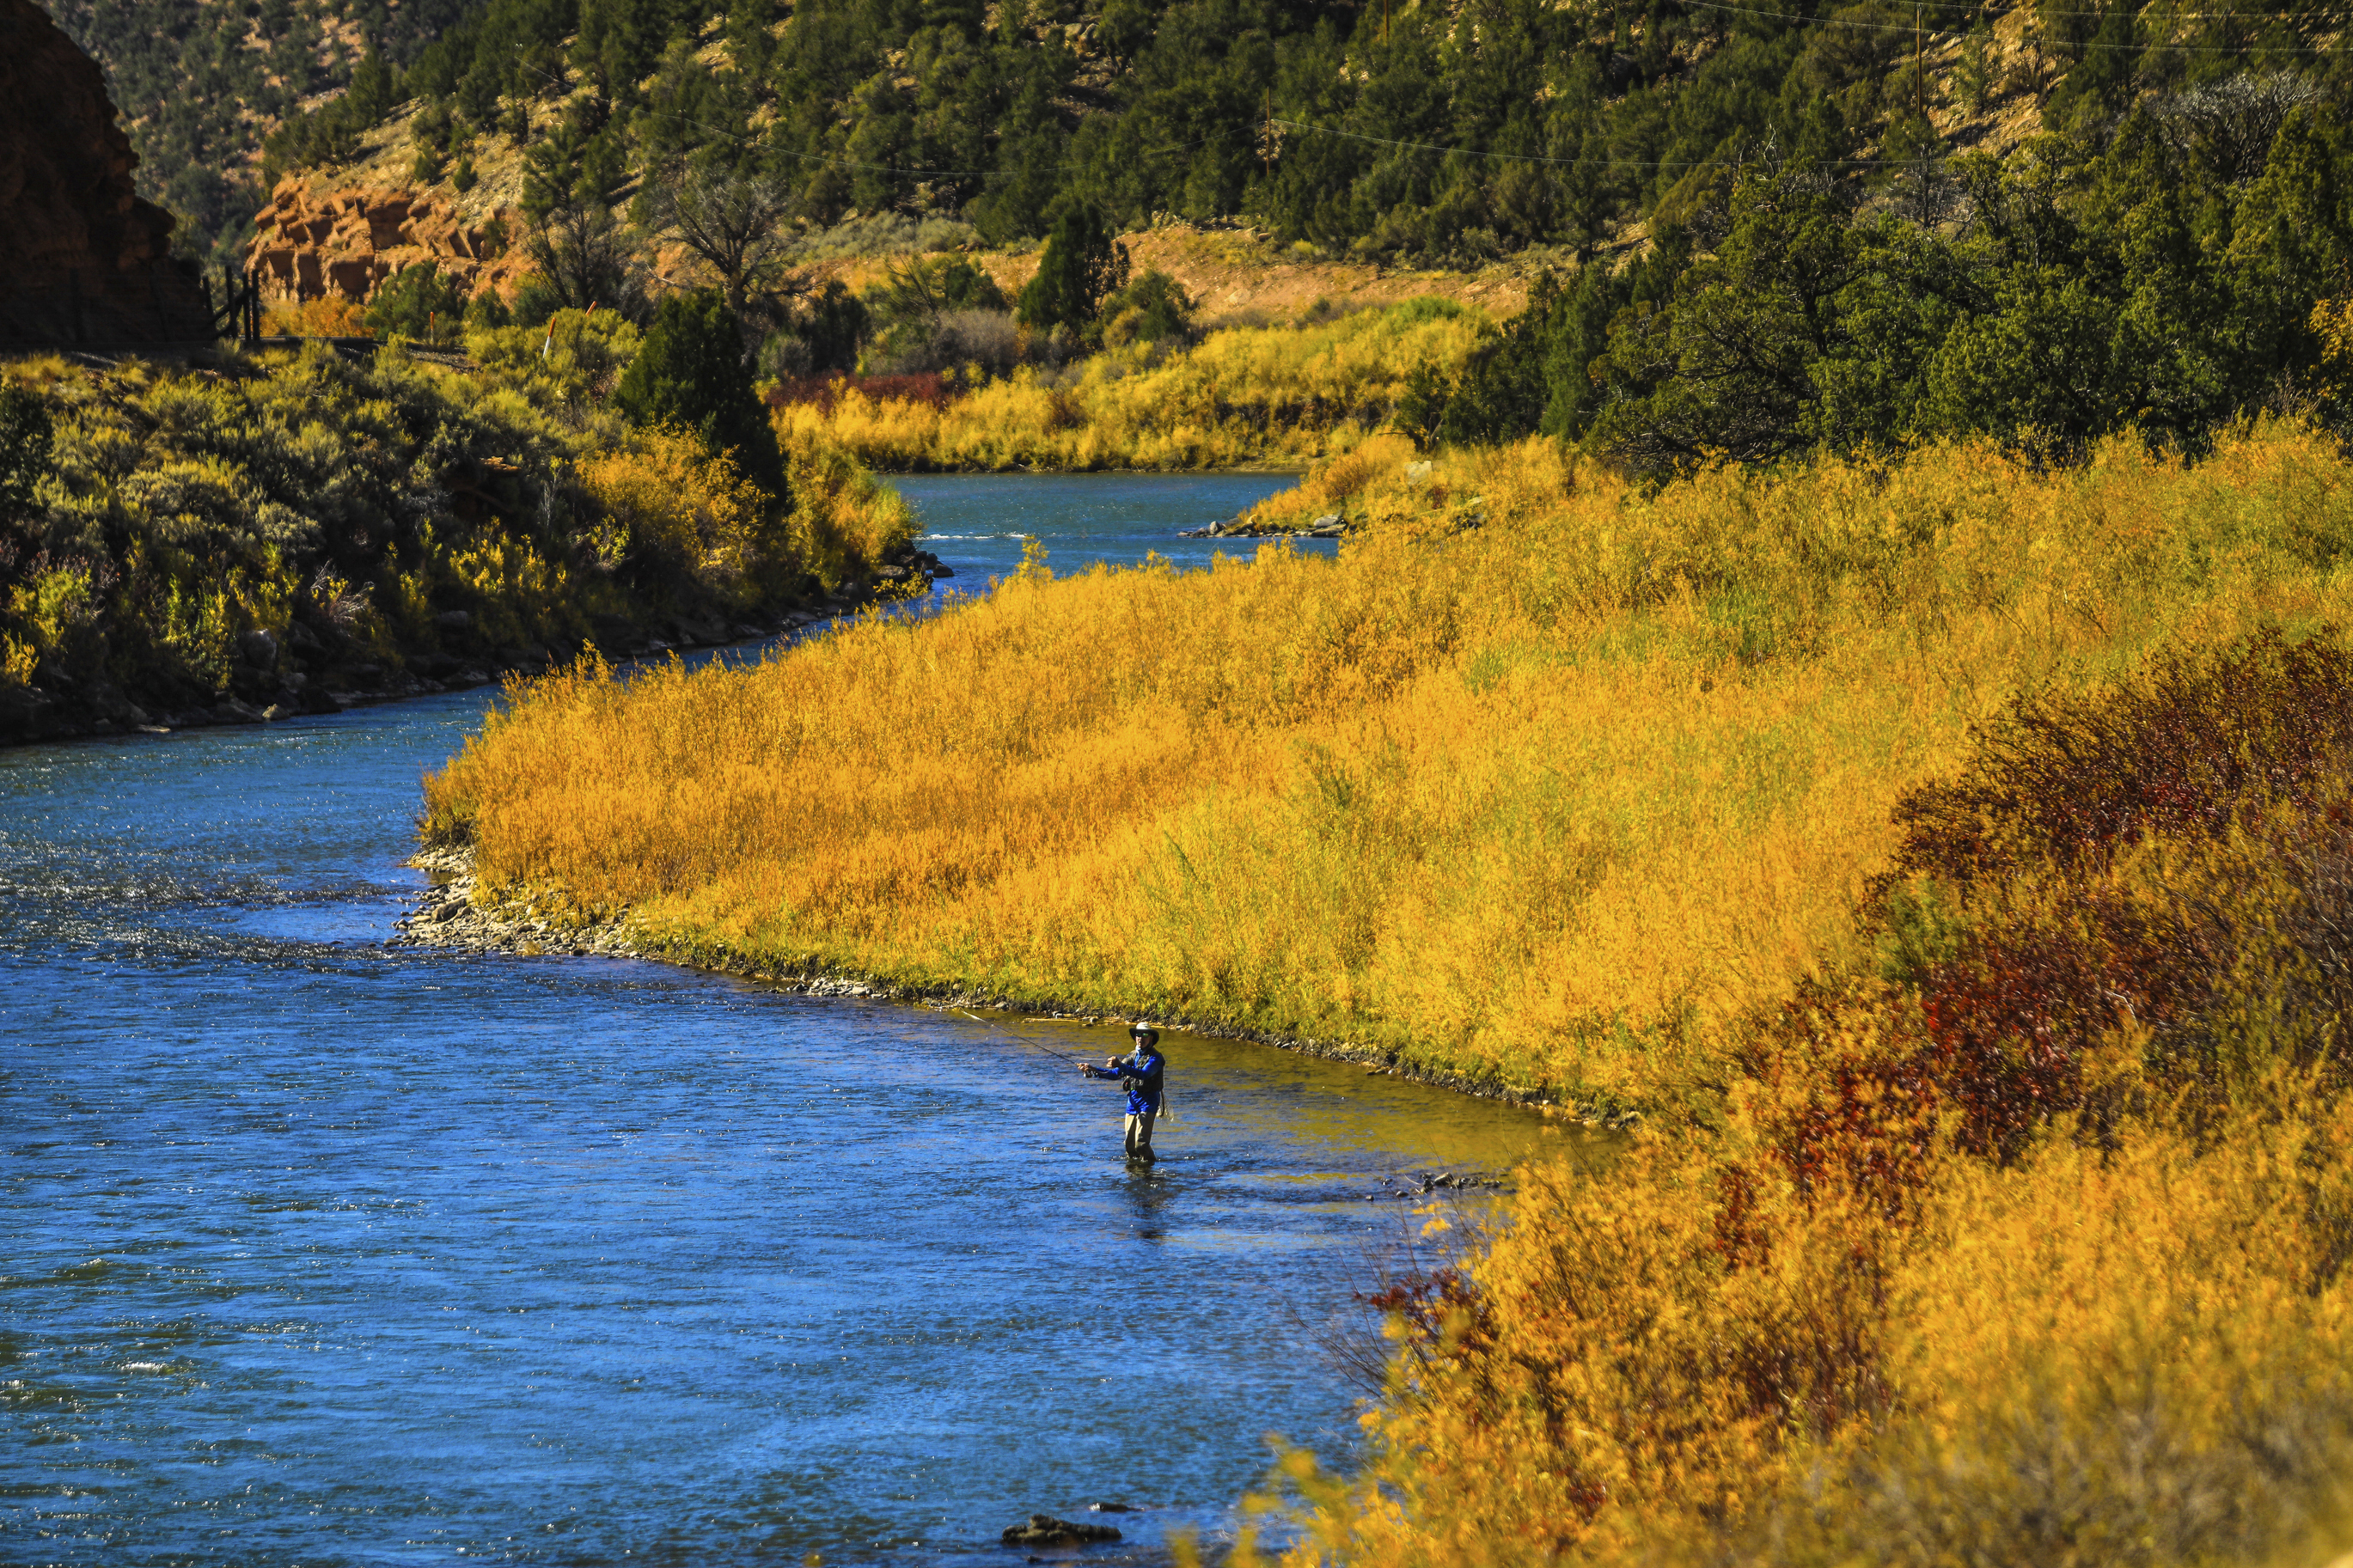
x=452, y=915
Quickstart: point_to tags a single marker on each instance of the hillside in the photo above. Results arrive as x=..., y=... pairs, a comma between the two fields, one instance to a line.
x=201, y=83
x=1414, y=135
x=1232, y=267
x=1748, y=233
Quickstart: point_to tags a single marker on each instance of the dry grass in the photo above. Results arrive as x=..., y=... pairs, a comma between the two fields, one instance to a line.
x=330, y=317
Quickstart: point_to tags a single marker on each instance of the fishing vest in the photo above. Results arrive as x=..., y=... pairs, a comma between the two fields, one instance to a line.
x=1144, y=1082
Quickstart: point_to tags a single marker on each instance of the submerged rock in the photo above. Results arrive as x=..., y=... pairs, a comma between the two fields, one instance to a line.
x=1045, y=1529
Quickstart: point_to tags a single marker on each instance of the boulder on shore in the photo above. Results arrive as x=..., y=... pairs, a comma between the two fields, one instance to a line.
x=1045, y=1529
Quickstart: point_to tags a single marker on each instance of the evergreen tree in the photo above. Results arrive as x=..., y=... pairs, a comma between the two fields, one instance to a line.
x=691, y=372
x=1727, y=366
x=834, y=329
x=1082, y=264
x=418, y=302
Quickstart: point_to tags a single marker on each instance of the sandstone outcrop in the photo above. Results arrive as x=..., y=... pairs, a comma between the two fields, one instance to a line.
x=317, y=243
x=85, y=260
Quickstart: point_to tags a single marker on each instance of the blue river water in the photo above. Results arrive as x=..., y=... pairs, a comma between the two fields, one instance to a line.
x=316, y=1250
x=979, y=523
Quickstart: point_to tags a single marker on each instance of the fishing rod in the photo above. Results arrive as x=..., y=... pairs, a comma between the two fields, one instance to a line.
x=1025, y=1040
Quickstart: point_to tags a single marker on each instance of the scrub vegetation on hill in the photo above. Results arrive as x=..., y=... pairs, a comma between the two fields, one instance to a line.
x=1766, y=230
x=201, y=83
x=180, y=542
x=1947, y=852
x=2155, y=264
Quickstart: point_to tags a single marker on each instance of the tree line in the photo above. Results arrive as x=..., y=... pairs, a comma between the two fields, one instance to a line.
x=2168, y=272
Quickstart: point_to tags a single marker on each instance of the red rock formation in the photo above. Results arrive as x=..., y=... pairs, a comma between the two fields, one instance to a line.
x=347, y=242
x=82, y=258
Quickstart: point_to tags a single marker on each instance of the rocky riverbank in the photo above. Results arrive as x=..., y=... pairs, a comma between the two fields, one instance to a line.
x=457, y=912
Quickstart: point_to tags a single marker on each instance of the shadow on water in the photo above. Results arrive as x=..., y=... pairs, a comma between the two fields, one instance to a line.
x=318, y=1250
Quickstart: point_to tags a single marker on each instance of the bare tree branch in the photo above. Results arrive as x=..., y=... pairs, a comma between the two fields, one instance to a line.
x=734, y=223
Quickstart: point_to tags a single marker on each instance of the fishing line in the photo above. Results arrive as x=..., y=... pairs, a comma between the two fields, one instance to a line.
x=1025, y=1040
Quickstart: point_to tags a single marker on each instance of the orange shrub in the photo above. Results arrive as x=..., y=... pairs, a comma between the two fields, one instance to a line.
x=330, y=316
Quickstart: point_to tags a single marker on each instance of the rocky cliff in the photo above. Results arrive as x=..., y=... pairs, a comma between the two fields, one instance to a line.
x=314, y=243
x=82, y=259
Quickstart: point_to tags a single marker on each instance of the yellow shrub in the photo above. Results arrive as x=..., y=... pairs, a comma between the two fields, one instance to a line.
x=51, y=604
x=664, y=494
x=1259, y=395
x=843, y=522
x=522, y=595
x=576, y=355
x=2134, y=1356
x=330, y=316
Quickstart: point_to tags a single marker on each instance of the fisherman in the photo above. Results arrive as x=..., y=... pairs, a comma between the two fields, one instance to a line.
x=1139, y=1072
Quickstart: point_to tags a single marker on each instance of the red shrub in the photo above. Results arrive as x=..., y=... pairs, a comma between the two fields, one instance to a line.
x=2179, y=750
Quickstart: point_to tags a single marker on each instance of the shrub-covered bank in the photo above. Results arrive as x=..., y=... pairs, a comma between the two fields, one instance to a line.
x=284, y=532
x=1955, y=848
x=2020, y=1238
x=1545, y=780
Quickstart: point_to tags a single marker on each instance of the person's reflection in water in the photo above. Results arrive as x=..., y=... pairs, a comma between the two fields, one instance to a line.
x=1150, y=1195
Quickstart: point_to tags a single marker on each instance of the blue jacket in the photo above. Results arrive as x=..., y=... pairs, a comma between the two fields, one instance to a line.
x=1141, y=1073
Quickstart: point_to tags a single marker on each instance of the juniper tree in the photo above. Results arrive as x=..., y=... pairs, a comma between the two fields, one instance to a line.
x=691, y=372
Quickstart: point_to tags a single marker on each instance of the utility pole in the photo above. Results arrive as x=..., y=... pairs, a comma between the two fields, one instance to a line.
x=1919, y=84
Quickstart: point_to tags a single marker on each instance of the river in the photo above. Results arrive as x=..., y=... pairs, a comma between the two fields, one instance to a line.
x=322, y=1251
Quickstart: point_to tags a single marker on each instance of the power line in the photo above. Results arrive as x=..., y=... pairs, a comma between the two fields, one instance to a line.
x=1577, y=163
x=1907, y=27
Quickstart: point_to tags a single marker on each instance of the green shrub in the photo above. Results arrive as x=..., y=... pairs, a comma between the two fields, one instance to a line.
x=487, y=312
x=535, y=300
x=26, y=435
x=1423, y=308
x=1148, y=309
x=417, y=303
